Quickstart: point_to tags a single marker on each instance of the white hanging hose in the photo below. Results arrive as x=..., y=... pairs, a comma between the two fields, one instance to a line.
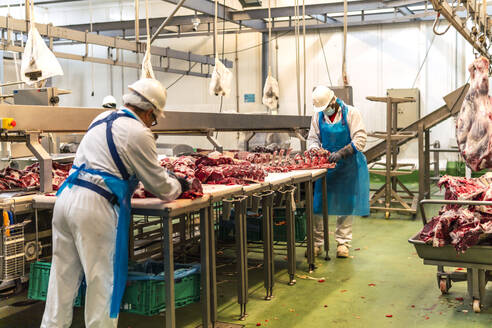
x=344, y=64
x=269, y=38
x=215, y=28
x=31, y=10
x=92, y=49
x=434, y=26
x=304, y=49
x=324, y=56
x=147, y=25
x=123, y=87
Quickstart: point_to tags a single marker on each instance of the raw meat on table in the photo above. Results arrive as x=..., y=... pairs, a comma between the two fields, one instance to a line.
x=474, y=123
x=11, y=178
x=281, y=161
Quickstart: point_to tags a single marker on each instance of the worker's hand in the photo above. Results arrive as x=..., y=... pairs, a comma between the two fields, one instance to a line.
x=334, y=157
x=343, y=153
x=185, y=185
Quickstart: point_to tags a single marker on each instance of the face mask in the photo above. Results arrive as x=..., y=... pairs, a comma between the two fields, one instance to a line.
x=329, y=111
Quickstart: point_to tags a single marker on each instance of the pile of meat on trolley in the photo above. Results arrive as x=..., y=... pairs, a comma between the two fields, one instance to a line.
x=462, y=226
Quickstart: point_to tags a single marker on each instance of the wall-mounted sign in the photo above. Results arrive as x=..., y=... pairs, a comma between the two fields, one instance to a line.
x=249, y=97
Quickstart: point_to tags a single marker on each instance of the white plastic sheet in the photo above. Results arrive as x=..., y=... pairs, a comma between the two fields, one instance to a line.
x=220, y=85
x=37, y=56
x=271, y=93
x=147, y=71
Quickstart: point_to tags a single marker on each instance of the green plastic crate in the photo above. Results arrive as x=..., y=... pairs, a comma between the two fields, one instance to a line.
x=255, y=226
x=280, y=229
x=39, y=277
x=148, y=297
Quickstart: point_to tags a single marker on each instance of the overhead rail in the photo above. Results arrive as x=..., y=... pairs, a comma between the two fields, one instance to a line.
x=320, y=16
x=114, y=44
x=474, y=27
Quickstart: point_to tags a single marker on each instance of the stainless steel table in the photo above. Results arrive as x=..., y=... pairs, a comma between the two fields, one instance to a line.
x=168, y=211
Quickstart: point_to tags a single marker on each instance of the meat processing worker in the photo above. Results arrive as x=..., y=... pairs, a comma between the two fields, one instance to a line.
x=109, y=102
x=339, y=129
x=92, y=213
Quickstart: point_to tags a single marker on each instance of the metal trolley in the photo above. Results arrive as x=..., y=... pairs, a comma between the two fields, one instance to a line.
x=12, y=259
x=477, y=259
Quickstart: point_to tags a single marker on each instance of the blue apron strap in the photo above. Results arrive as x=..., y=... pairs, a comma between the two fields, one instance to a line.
x=114, y=153
x=101, y=191
x=109, y=138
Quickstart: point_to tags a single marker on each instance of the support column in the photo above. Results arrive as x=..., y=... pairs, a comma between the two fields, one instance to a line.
x=213, y=272
x=288, y=193
x=389, y=121
x=421, y=161
x=326, y=228
x=427, y=163
x=205, y=267
x=310, y=226
x=168, y=254
x=268, y=262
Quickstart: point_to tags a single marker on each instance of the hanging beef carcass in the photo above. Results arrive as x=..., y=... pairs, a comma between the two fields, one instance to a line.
x=474, y=123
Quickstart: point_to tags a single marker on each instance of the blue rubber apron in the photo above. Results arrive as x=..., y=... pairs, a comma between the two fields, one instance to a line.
x=120, y=196
x=348, y=183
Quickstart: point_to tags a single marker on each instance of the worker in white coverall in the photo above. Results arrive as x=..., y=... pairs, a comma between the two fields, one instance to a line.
x=339, y=129
x=92, y=213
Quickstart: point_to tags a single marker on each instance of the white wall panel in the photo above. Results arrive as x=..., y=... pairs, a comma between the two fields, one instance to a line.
x=378, y=58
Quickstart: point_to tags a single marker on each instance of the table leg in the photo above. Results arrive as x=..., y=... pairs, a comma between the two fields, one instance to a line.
x=268, y=263
x=310, y=226
x=241, y=252
x=326, y=229
x=168, y=255
x=205, y=267
x=213, y=273
x=291, y=234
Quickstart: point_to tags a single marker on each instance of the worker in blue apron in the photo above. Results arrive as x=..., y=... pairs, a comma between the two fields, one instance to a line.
x=92, y=213
x=339, y=129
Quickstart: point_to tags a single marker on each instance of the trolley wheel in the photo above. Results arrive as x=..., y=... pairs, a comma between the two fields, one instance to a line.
x=387, y=215
x=443, y=286
x=476, y=306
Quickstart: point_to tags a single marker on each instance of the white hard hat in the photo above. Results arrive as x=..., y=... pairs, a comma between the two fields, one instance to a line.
x=322, y=97
x=153, y=91
x=109, y=102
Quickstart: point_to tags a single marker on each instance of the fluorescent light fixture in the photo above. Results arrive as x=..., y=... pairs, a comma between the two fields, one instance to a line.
x=250, y=3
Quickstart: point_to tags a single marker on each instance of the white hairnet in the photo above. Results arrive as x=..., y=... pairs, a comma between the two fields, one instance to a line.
x=138, y=101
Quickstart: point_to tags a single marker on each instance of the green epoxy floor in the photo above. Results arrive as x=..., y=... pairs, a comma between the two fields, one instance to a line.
x=403, y=287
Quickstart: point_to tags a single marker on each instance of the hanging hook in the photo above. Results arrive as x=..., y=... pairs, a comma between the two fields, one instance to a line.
x=436, y=23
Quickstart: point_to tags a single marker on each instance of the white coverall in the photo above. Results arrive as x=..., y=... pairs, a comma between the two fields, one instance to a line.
x=84, y=222
x=343, y=233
